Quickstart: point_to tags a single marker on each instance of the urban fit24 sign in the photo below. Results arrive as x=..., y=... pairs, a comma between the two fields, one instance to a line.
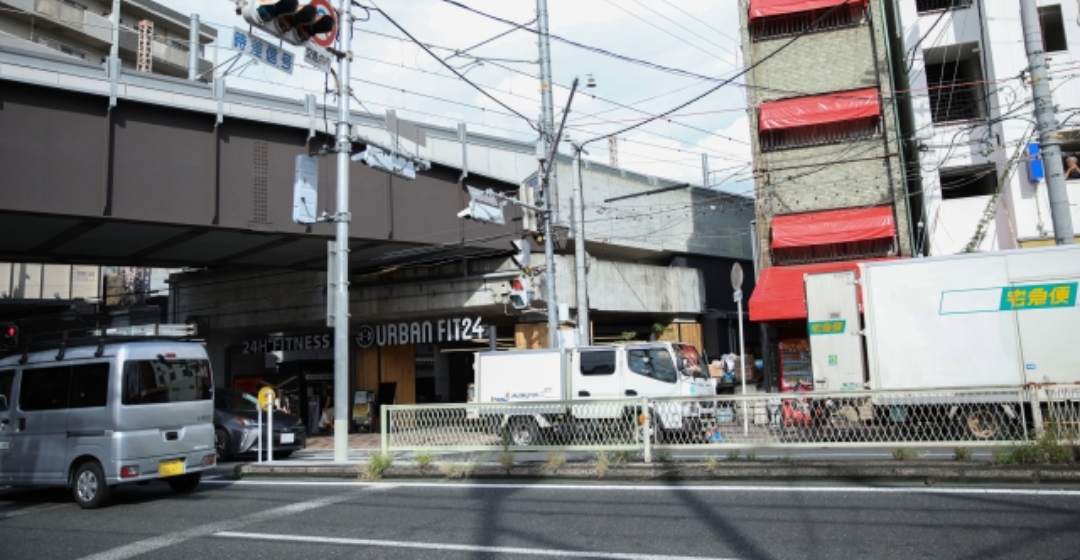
x=420, y=332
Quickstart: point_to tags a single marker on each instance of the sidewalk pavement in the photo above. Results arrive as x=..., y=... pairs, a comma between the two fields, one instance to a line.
x=325, y=442
x=483, y=466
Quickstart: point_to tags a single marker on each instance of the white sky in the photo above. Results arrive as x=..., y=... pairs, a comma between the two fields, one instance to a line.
x=694, y=35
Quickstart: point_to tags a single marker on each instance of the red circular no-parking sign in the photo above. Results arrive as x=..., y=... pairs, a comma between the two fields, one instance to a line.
x=324, y=8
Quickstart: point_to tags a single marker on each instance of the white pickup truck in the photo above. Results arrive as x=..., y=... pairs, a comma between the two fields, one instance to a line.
x=634, y=370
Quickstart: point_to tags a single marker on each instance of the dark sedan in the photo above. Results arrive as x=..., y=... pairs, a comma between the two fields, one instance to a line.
x=236, y=427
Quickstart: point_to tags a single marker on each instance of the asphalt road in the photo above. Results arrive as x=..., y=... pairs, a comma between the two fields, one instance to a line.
x=272, y=520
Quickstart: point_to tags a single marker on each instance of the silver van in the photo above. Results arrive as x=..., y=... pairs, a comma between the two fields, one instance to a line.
x=93, y=417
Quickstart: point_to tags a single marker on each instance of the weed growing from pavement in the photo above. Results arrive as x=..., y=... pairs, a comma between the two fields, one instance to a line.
x=662, y=455
x=238, y=472
x=751, y=455
x=711, y=463
x=507, y=460
x=733, y=455
x=620, y=457
x=1047, y=449
x=376, y=466
x=424, y=460
x=787, y=459
x=905, y=454
x=555, y=461
x=961, y=454
x=454, y=471
x=602, y=463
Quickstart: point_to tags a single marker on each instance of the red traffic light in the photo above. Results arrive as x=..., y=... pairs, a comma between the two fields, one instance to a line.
x=11, y=335
x=517, y=285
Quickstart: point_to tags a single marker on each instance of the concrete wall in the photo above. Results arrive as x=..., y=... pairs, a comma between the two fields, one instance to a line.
x=295, y=300
x=863, y=173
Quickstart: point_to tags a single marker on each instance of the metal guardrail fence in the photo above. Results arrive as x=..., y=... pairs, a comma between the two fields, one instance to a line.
x=991, y=416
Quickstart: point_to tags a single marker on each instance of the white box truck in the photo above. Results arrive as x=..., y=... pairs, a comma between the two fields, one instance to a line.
x=601, y=373
x=984, y=320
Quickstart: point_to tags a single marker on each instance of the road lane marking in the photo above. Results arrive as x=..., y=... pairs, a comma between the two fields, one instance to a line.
x=658, y=488
x=32, y=509
x=453, y=547
x=170, y=539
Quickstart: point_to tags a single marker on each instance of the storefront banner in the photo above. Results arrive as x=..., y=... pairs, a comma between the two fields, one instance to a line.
x=420, y=332
x=289, y=343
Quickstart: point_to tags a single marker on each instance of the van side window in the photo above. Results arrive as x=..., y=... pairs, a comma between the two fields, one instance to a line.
x=600, y=362
x=654, y=363
x=89, y=385
x=7, y=379
x=166, y=381
x=45, y=388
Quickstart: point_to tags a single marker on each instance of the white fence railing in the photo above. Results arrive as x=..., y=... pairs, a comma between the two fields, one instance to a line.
x=990, y=416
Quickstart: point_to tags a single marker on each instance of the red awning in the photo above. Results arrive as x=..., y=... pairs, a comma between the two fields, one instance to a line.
x=819, y=109
x=833, y=226
x=766, y=8
x=779, y=294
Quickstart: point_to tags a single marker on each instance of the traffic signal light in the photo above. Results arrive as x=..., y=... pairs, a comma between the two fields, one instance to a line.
x=519, y=294
x=11, y=335
x=291, y=21
x=522, y=256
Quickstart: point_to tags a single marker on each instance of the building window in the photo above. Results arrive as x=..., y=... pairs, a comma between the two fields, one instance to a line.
x=955, y=81
x=968, y=182
x=814, y=120
x=819, y=135
x=72, y=4
x=926, y=6
x=786, y=25
x=1053, y=28
x=58, y=46
x=855, y=250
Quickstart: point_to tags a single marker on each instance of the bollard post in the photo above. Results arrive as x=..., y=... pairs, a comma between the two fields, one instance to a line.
x=270, y=429
x=258, y=434
x=646, y=438
x=383, y=427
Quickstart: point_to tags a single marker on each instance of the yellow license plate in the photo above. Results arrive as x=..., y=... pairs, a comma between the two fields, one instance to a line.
x=171, y=468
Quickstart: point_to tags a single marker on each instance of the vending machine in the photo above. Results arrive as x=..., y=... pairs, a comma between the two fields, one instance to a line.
x=796, y=369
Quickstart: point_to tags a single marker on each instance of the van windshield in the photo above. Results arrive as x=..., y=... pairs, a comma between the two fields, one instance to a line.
x=166, y=381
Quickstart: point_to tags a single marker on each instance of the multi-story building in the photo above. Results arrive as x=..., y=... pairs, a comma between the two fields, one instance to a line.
x=966, y=66
x=84, y=29
x=828, y=149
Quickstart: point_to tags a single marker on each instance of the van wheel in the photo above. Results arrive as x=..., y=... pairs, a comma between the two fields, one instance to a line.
x=524, y=432
x=185, y=483
x=89, y=487
x=222, y=444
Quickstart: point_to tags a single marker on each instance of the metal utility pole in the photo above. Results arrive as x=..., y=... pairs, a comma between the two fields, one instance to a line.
x=193, y=49
x=1045, y=117
x=343, y=146
x=114, y=49
x=548, y=180
x=578, y=223
x=705, y=170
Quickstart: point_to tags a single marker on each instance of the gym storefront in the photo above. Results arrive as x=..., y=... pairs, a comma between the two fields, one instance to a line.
x=426, y=361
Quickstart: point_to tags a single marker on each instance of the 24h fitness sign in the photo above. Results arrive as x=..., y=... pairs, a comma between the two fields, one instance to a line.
x=420, y=332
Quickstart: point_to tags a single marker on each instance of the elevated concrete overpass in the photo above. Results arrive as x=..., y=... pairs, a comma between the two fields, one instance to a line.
x=164, y=179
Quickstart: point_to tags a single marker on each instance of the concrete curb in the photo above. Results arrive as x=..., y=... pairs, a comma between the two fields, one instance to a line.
x=928, y=472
